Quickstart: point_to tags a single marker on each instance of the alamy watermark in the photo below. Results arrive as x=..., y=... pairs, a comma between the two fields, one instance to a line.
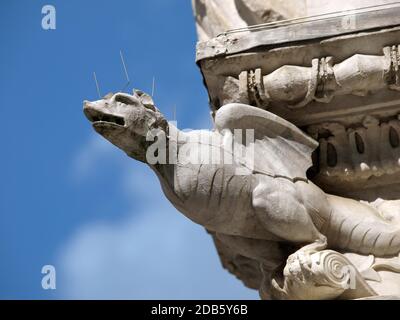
x=225, y=147
x=49, y=17
x=49, y=278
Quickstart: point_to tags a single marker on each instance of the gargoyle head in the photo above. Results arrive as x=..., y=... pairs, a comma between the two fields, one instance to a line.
x=125, y=120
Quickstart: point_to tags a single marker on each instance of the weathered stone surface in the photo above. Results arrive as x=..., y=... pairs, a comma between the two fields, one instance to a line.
x=214, y=17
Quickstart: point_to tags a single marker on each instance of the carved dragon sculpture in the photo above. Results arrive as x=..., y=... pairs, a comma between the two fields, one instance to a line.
x=260, y=204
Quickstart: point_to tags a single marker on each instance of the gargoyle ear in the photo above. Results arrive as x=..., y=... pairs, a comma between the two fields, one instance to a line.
x=145, y=99
x=108, y=96
x=126, y=98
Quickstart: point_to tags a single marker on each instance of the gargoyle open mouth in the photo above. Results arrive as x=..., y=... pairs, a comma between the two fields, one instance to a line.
x=110, y=119
x=97, y=117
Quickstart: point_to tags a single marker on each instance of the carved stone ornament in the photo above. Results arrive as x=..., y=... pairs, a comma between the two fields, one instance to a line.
x=298, y=183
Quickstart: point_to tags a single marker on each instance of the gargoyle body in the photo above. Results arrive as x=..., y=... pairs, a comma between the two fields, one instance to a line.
x=253, y=196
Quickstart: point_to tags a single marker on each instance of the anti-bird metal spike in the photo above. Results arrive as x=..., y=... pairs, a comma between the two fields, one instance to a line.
x=97, y=84
x=153, y=87
x=125, y=70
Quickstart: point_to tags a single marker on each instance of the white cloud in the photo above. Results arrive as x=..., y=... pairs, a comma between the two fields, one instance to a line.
x=157, y=255
x=94, y=149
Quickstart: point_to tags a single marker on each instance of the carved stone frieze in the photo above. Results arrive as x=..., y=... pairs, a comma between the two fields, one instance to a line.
x=356, y=153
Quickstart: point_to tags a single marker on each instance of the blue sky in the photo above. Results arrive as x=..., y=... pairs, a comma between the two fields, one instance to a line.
x=72, y=200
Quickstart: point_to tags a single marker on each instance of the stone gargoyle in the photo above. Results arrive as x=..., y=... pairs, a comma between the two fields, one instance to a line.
x=257, y=200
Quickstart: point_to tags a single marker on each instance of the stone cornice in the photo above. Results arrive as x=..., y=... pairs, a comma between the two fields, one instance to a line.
x=295, y=30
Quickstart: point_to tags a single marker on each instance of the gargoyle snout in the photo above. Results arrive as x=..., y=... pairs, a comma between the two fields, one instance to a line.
x=88, y=110
x=97, y=113
x=87, y=105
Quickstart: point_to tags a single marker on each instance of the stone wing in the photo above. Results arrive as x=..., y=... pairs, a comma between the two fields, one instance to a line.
x=280, y=148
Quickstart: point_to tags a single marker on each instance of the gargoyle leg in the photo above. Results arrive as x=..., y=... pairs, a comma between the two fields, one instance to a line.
x=283, y=212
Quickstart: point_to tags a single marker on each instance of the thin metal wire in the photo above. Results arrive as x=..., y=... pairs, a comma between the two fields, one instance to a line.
x=97, y=84
x=125, y=70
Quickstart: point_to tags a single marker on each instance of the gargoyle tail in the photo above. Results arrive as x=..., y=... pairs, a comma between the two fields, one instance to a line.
x=376, y=240
x=359, y=228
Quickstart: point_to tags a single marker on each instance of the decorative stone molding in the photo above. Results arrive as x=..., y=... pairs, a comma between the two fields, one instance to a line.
x=296, y=86
x=359, y=152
